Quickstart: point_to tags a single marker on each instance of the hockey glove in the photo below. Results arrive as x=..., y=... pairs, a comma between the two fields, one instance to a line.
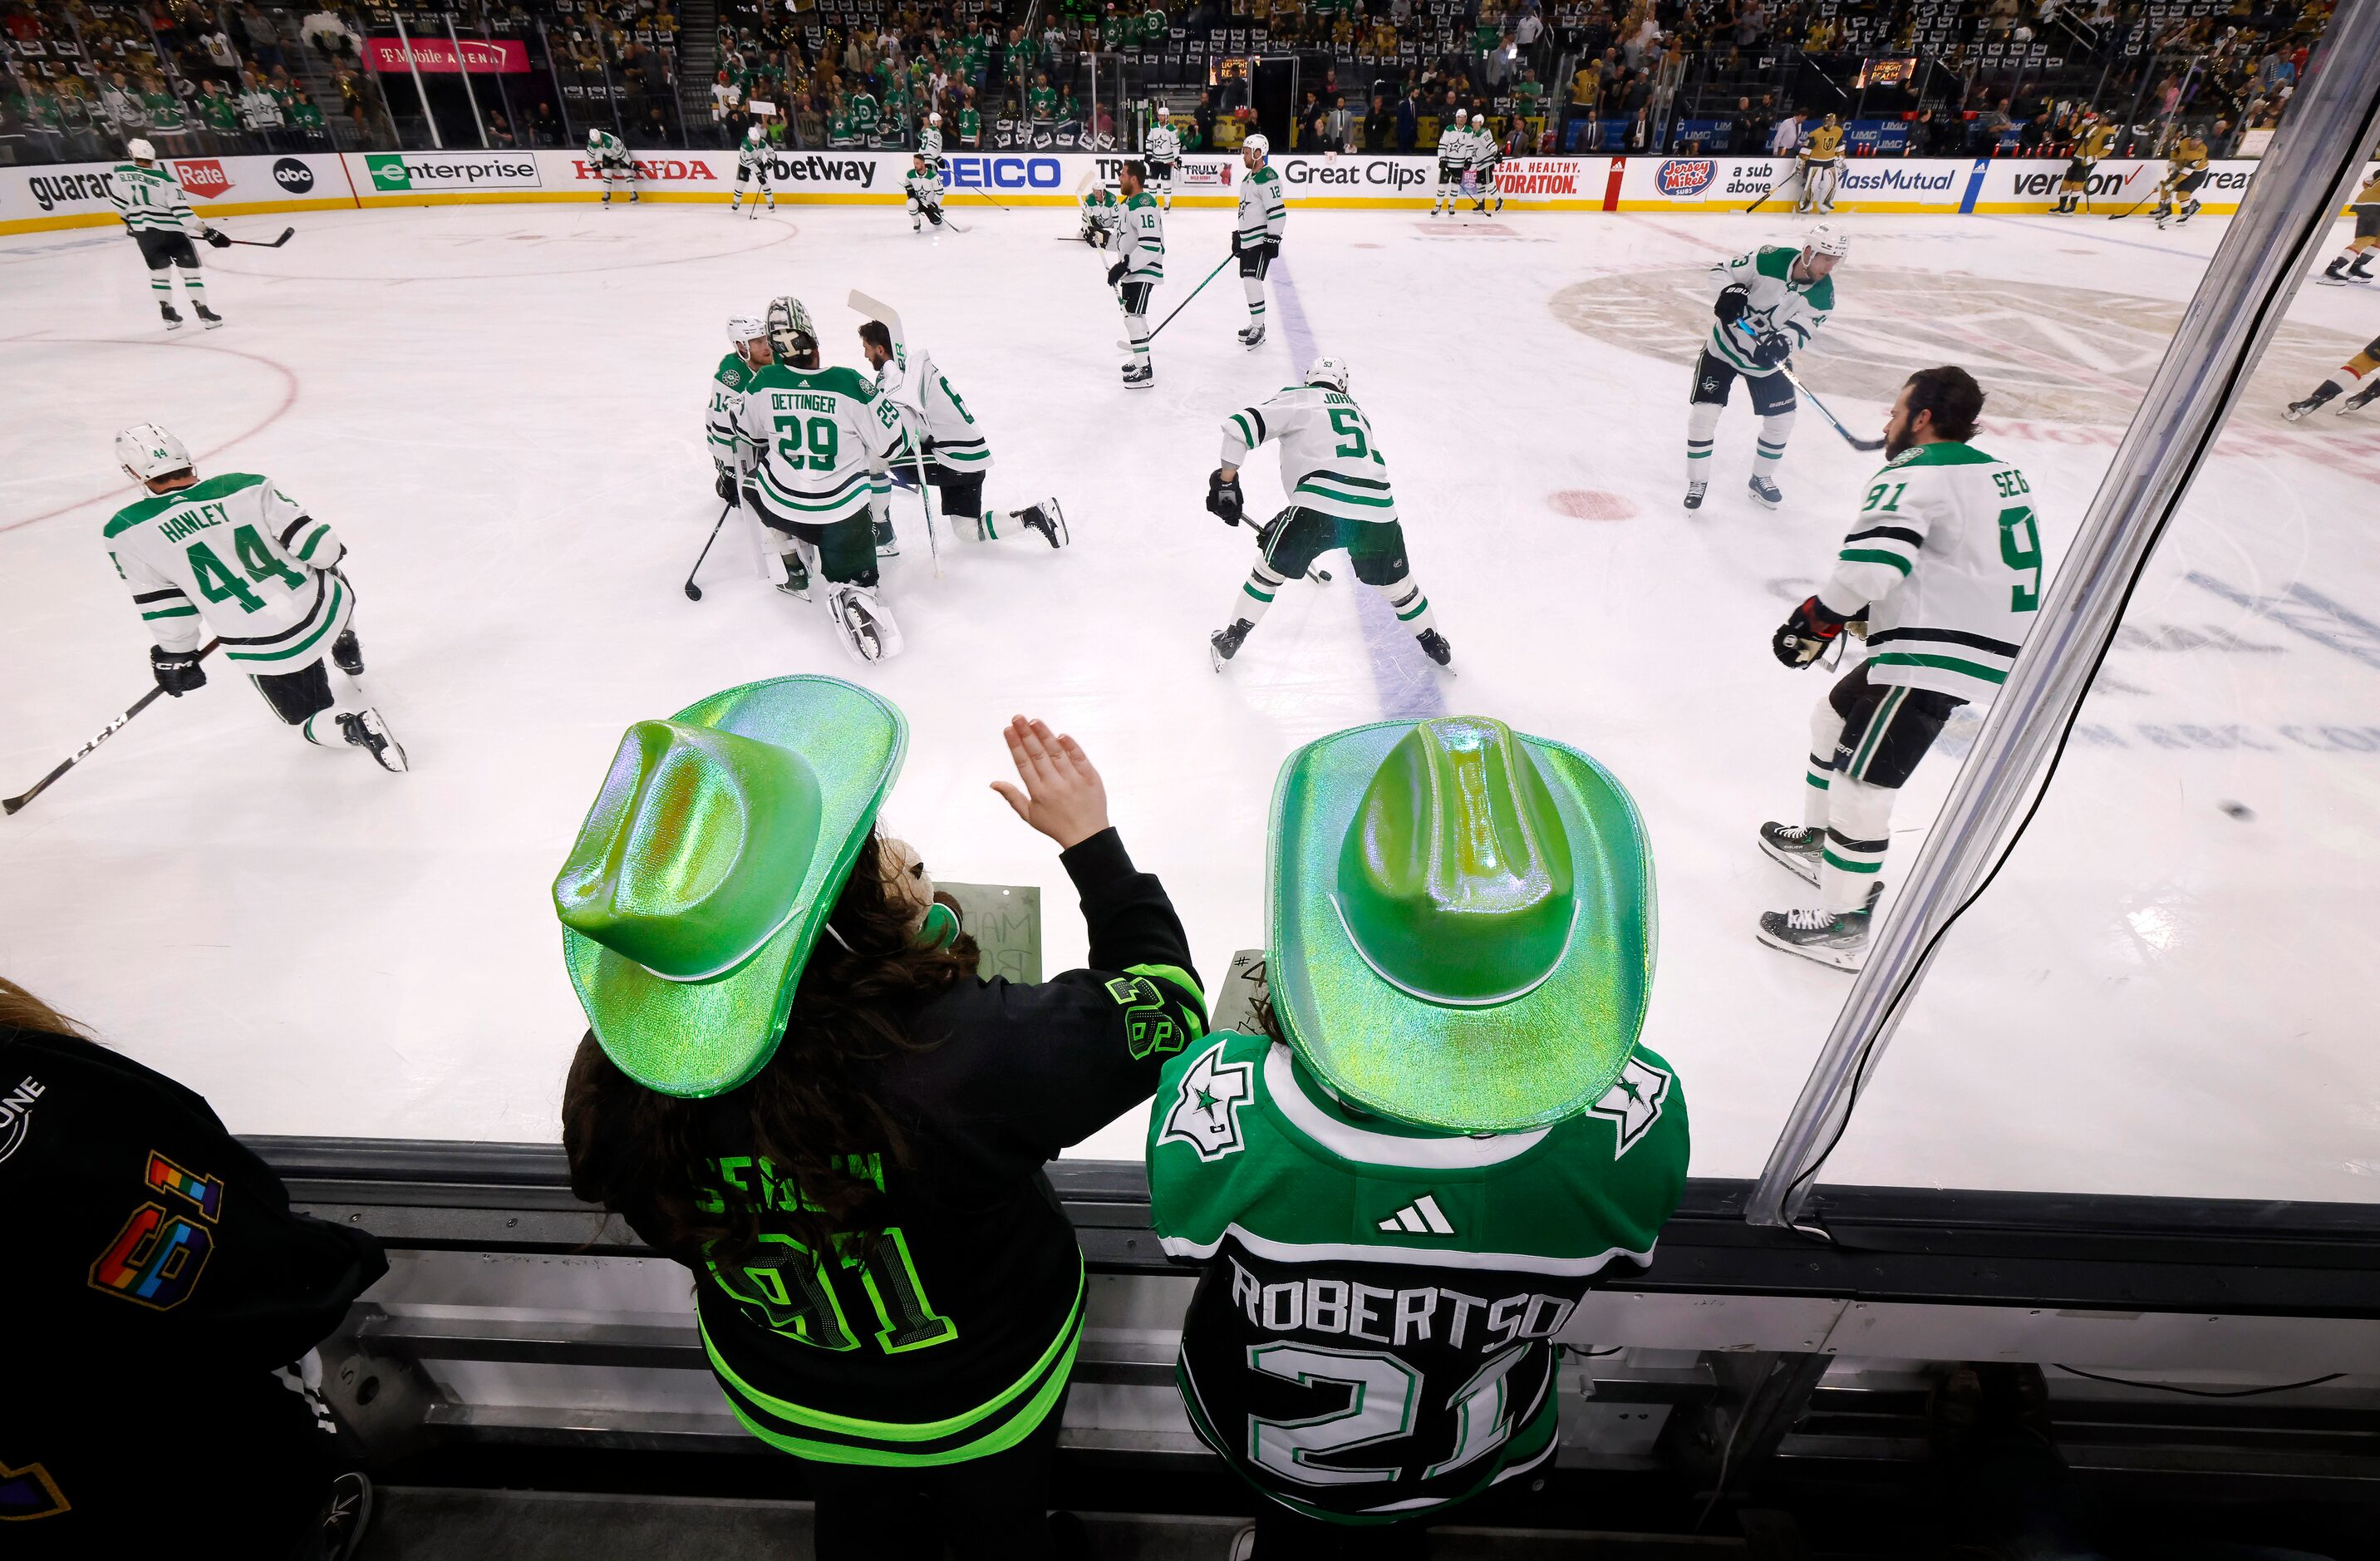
x=1806, y=635
x=1734, y=301
x=1770, y=348
x=1115, y=273
x=725, y=489
x=1224, y=498
x=220, y=239
x=178, y=672
x=1272, y=249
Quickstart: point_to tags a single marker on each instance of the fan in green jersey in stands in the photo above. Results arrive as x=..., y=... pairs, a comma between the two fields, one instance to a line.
x=1402, y=1186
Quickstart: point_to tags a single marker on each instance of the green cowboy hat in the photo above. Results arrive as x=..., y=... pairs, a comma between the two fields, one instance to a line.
x=712, y=856
x=1462, y=923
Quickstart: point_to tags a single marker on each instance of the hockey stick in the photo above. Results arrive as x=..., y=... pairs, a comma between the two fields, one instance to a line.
x=694, y=591
x=1798, y=170
x=261, y=244
x=1178, y=308
x=1853, y=440
x=10, y=805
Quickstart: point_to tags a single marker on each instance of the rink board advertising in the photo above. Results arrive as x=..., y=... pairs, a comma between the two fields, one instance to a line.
x=76, y=194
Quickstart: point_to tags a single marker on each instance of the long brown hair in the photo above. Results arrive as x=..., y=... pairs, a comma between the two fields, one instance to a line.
x=810, y=1112
x=22, y=1010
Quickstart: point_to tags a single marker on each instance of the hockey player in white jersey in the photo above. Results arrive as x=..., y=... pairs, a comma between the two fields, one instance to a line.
x=1103, y=214
x=1339, y=496
x=1257, y=240
x=1453, y=158
x=1769, y=303
x=234, y=555
x=1484, y=157
x=156, y=212
x=1161, y=148
x=1139, y=267
x=822, y=440
x=608, y=159
x=929, y=143
x=955, y=454
x=1944, y=564
x=924, y=188
x=752, y=164
x=748, y=353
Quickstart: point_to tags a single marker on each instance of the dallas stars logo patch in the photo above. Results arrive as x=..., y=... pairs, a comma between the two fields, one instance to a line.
x=1634, y=1103
x=1206, y=1113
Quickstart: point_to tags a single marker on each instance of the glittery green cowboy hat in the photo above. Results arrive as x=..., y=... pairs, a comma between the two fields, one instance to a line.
x=1462, y=923
x=711, y=857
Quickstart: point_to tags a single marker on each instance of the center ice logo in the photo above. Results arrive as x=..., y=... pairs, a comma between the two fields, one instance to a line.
x=1682, y=177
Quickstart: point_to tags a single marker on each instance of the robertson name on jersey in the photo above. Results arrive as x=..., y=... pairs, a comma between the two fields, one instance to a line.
x=1372, y=1338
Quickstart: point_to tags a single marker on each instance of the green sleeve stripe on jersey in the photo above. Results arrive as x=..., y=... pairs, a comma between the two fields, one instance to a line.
x=1874, y=555
x=1178, y=979
x=1060, y=1349
x=1994, y=675
x=185, y=612
x=313, y=540
x=1249, y=435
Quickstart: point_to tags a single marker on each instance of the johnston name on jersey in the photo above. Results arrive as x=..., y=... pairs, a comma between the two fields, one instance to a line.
x=824, y=437
x=1330, y=462
x=1795, y=309
x=1946, y=556
x=236, y=554
x=1372, y=1338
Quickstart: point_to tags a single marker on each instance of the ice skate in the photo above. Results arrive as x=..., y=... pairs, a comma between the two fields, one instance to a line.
x=1224, y=643
x=1694, y=492
x=367, y=731
x=1839, y=939
x=1045, y=518
x=1139, y=378
x=1433, y=645
x=796, y=583
x=1766, y=495
x=173, y=320
x=888, y=543
x=212, y=319
x=1795, y=847
x=2364, y=398
x=1252, y=336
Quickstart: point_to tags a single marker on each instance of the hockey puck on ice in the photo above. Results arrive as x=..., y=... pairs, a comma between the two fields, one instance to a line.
x=1590, y=503
x=2239, y=811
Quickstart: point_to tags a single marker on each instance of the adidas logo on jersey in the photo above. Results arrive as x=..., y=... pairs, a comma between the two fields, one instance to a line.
x=1420, y=1217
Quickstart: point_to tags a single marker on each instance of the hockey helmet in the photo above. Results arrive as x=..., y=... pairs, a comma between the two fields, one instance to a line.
x=1163, y=112
x=147, y=452
x=140, y=151
x=753, y=135
x=791, y=333
x=1330, y=372
x=745, y=328
x=1257, y=146
x=1479, y=119
x=933, y=118
x=1828, y=239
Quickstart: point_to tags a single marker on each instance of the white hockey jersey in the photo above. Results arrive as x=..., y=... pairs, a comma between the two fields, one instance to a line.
x=1163, y=144
x=925, y=397
x=824, y=438
x=149, y=201
x=1454, y=146
x=923, y=188
x=1796, y=309
x=1330, y=463
x=1263, y=212
x=1140, y=238
x=603, y=146
x=1945, y=556
x=752, y=162
x=930, y=144
x=234, y=555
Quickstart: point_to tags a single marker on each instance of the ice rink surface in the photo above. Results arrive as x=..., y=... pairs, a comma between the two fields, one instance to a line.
x=2168, y=990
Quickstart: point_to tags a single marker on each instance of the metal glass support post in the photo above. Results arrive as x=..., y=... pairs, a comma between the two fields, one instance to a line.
x=463, y=68
x=406, y=42
x=553, y=76
x=2275, y=239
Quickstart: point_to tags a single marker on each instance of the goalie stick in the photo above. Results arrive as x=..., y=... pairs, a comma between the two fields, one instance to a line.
x=10, y=805
x=876, y=309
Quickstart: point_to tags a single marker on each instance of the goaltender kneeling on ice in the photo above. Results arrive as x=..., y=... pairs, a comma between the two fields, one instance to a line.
x=810, y=453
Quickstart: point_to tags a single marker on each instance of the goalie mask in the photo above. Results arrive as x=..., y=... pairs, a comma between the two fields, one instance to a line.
x=147, y=452
x=791, y=334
